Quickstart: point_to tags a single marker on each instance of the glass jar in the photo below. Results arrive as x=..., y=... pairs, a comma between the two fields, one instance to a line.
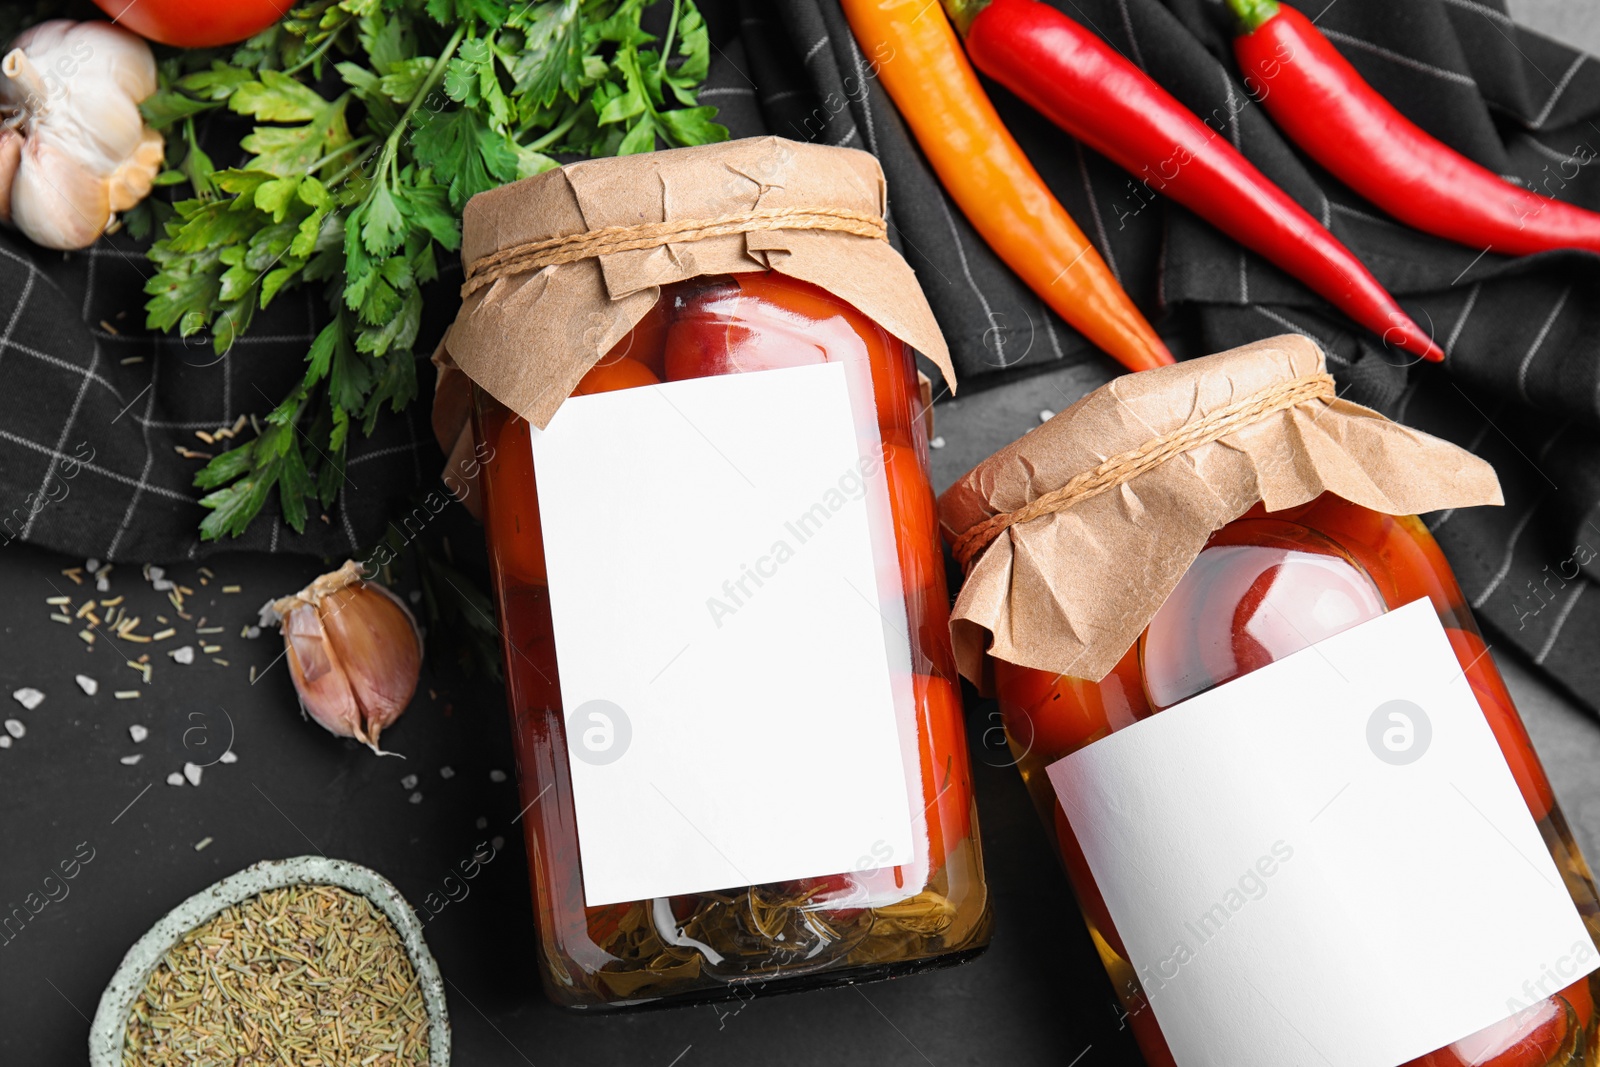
x=1266, y=586
x=839, y=926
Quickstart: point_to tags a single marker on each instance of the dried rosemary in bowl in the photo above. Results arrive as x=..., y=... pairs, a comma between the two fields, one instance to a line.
x=306, y=975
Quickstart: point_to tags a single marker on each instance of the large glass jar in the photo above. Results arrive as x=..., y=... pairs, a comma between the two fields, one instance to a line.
x=839, y=926
x=1264, y=587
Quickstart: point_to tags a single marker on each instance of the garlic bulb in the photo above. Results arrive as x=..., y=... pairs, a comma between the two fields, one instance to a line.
x=354, y=652
x=74, y=149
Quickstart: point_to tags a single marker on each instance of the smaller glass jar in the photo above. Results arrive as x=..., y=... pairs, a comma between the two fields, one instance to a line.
x=1265, y=586
x=836, y=927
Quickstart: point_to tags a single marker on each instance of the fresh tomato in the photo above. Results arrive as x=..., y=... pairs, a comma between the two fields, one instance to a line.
x=195, y=23
x=612, y=374
x=1498, y=708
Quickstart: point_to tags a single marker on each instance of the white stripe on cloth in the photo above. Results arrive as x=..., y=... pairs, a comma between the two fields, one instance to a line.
x=92, y=468
x=144, y=475
x=61, y=442
x=860, y=62
x=1538, y=342
x=1579, y=586
x=1455, y=332
x=1510, y=553
x=1295, y=327
x=1094, y=211
x=966, y=269
x=1555, y=94
x=1403, y=60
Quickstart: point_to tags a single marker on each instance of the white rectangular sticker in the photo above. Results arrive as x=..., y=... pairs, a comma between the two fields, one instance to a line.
x=1291, y=892
x=724, y=664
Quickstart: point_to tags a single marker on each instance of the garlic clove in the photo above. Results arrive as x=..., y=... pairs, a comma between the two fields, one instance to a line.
x=55, y=201
x=380, y=648
x=132, y=181
x=10, y=160
x=355, y=653
x=325, y=695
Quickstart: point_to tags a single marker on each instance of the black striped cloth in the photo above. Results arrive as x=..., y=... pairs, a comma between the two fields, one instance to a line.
x=99, y=419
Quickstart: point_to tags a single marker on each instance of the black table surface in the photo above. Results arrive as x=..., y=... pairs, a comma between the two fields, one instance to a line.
x=1037, y=996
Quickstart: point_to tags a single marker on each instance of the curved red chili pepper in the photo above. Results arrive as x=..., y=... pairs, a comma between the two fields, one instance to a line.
x=1081, y=84
x=1319, y=100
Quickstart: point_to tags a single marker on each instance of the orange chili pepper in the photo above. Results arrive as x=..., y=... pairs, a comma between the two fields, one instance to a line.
x=921, y=64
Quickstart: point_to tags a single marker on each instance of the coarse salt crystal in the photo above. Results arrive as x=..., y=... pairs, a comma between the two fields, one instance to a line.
x=497, y=775
x=229, y=756
x=102, y=584
x=447, y=772
x=937, y=442
x=28, y=697
x=155, y=574
x=415, y=798
x=1046, y=415
x=138, y=733
x=415, y=596
x=482, y=823
x=89, y=686
x=5, y=740
x=174, y=778
x=91, y=565
x=191, y=771
x=129, y=761
x=15, y=728
x=497, y=843
x=182, y=655
x=161, y=585
x=408, y=782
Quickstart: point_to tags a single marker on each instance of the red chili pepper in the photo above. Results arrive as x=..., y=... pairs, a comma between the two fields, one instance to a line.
x=1317, y=98
x=1082, y=85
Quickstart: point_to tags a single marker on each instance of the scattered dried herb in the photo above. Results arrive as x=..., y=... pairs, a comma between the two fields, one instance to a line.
x=307, y=975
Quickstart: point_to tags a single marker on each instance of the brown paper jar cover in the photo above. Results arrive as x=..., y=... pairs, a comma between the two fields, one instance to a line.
x=1069, y=592
x=528, y=338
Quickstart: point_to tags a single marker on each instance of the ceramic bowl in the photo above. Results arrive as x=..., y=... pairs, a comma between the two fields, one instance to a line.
x=106, y=1034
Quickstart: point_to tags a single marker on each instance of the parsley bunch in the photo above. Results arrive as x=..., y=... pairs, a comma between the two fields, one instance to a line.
x=378, y=121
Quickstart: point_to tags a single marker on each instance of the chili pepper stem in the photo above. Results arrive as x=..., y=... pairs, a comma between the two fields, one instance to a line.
x=1253, y=13
x=962, y=12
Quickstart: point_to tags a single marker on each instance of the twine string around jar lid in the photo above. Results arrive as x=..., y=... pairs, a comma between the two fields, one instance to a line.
x=569, y=248
x=1128, y=465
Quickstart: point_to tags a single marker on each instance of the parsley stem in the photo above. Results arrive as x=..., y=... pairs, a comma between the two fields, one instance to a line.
x=392, y=145
x=348, y=146
x=320, y=51
x=556, y=132
x=666, y=44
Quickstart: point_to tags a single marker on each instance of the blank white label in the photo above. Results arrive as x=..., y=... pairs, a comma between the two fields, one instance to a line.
x=725, y=666
x=1290, y=893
